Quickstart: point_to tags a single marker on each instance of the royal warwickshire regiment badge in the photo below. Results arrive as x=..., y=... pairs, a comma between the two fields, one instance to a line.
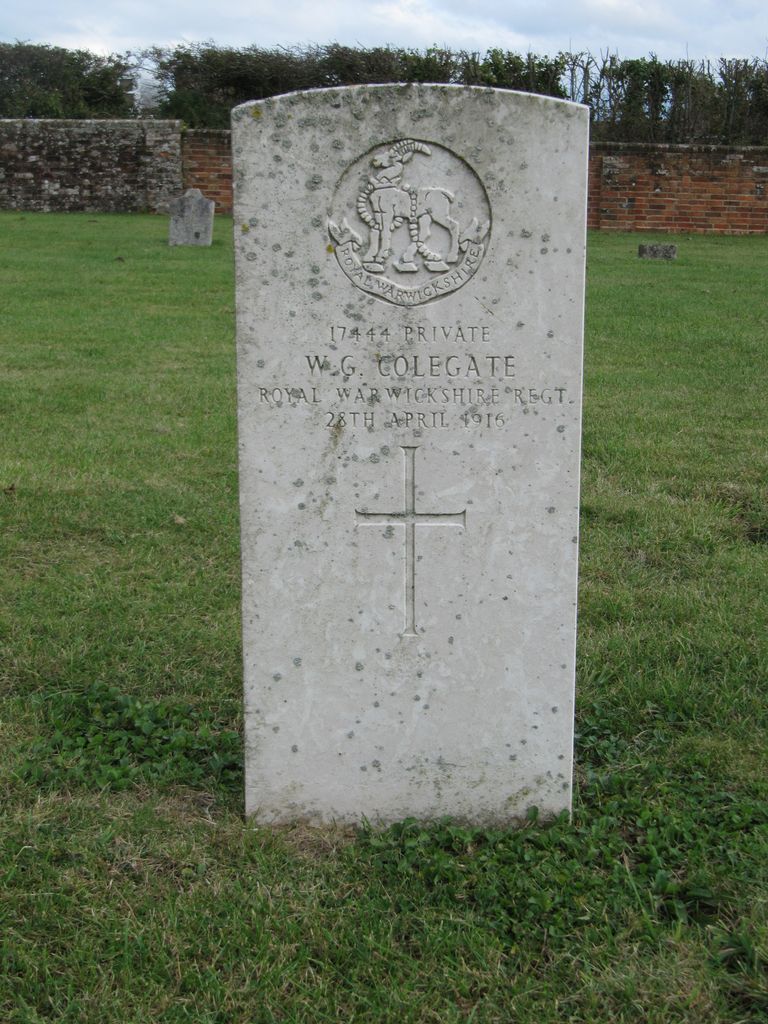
x=412, y=222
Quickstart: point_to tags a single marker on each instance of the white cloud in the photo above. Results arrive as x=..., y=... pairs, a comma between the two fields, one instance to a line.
x=630, y=27
x=422, y=23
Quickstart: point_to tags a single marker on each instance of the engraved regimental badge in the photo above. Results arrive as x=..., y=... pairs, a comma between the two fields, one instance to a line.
x=411, y=222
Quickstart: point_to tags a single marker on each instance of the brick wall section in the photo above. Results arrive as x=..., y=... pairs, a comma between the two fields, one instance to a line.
x=632, y=187
x=686, y=189
x=95, y=166
x=207, y=163
x=125, y=166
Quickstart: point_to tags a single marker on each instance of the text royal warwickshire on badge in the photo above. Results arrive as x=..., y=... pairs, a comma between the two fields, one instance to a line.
x=409, y=315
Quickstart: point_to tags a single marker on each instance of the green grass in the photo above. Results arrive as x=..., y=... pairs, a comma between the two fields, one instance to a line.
x=132, y=891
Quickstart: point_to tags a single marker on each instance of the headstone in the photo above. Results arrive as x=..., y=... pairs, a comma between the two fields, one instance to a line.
x=191, y=219
x=657, y=251
x=410, y=268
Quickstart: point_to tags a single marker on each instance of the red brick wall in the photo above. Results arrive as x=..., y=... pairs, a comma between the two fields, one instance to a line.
x=694, y=189
x=632, y=187
x=207, y=165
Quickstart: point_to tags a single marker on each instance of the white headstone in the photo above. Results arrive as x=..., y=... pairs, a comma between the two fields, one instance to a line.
x=409, y=298
x=191, y=219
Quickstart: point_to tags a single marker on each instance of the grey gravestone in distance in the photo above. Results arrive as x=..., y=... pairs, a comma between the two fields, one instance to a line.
x=191, y=219
x=410, y=265
x=657, y=251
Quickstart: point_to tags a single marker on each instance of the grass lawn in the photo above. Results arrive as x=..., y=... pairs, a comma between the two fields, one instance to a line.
x=131, y=889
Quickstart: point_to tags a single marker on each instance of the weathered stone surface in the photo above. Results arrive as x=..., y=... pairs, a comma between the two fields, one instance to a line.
x=658, y=251
x=409, y=302
x=191, y=219
x=95, y=166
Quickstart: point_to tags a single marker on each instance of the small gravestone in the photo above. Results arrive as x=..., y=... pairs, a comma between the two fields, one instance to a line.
x=191, y=219
x=657, y=251
x=410, y=272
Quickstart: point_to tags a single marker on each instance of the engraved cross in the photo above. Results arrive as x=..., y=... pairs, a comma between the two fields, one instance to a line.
x=410, y=519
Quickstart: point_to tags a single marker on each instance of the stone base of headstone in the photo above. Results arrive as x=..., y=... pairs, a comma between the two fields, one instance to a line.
x=658, y=251
x=191, y=219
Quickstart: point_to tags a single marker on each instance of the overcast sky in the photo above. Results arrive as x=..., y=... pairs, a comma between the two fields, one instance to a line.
x=632, y=28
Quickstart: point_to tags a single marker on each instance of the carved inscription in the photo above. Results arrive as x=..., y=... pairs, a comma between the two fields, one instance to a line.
x=410, y=519
x=411, y=222
x=401, y=385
